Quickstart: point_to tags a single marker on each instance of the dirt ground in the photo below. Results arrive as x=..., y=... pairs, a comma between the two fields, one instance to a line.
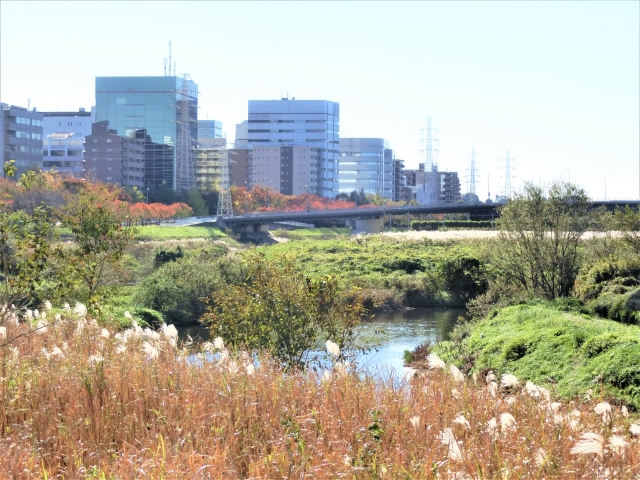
x=445, y=235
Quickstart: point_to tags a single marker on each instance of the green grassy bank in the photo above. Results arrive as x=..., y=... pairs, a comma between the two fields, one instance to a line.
x=152, y=232
x=395, y=272
x=565, y=351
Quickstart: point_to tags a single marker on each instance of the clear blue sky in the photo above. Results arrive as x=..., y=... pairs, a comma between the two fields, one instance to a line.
x=557, y=83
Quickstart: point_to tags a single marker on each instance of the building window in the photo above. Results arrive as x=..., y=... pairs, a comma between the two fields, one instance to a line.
x=109, y=149
x=109, y=169
x=109, y=179
x=94, y=150
x=109, y=140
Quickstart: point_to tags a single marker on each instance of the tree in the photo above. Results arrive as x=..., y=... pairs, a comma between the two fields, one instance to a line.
x=197, y=203
x=627, y=222
x=96, y=218
x=539, y=239
x=25, y=256
x=279, y=310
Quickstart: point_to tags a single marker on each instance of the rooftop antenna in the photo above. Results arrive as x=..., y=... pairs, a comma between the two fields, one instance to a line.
x=167, y=63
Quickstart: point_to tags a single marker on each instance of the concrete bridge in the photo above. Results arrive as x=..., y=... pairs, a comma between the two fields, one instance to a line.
x=369, y=219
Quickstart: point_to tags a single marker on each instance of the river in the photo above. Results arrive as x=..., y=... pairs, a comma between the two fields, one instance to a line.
x=388, y=334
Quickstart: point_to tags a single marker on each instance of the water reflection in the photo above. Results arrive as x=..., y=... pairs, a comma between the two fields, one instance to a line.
x=389, y=335
x=396, y=332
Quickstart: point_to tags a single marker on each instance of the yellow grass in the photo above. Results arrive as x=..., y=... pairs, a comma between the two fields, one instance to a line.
x=87, y=403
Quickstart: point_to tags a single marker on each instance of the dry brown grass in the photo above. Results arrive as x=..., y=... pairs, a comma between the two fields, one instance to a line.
x=85, y=403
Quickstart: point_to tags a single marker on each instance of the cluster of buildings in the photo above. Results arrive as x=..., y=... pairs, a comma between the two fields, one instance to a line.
x=145, y=132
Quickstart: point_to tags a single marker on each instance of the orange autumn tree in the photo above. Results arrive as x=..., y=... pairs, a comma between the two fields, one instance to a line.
x=264, y=199
x=158, y=211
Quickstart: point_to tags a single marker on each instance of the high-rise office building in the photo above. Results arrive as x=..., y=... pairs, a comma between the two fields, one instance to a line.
x=310, y=123
x=366, y=164
x=242, y=135
x=208, y=132
x=167, y=109
x=20, y=137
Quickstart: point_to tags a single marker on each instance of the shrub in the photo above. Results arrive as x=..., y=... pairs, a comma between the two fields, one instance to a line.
x=164, y=256
x=279, y=310
x=539, y=239
x=180, y=289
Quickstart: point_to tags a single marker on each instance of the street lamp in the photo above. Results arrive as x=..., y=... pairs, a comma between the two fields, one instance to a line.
x=369, y=189
x=605, y=185
x=147, y=195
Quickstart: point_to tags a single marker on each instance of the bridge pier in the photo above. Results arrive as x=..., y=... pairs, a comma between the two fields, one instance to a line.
x=365, y=225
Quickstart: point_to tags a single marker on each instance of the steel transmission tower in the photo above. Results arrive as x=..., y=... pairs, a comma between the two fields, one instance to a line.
x=472, y=172
x=225, y=207
x=185, y=168
x=429, y=151
x=508, y=176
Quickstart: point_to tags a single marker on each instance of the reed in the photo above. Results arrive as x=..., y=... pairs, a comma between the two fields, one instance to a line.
x=81, y=401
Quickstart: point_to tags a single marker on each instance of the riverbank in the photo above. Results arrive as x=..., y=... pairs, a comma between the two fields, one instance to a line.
x=571, y=354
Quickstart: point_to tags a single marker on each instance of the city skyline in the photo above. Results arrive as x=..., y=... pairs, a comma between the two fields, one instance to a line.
x=555, y=83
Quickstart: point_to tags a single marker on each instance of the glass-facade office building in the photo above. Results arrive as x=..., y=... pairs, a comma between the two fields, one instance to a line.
x=159, y=106
x=366, y=164
x=289, y=122
x=209, y=129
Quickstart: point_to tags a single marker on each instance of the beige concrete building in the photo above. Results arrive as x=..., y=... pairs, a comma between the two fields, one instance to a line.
x=290, y=170
x=209, y=168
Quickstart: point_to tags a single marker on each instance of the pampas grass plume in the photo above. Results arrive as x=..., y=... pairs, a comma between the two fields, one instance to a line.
x=509, y=380
x=456, y=374
x=333, y=348
x=435, y=361
x=590, y=442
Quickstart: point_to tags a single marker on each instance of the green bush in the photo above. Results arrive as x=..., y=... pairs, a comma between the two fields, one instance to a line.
x=180, y=289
